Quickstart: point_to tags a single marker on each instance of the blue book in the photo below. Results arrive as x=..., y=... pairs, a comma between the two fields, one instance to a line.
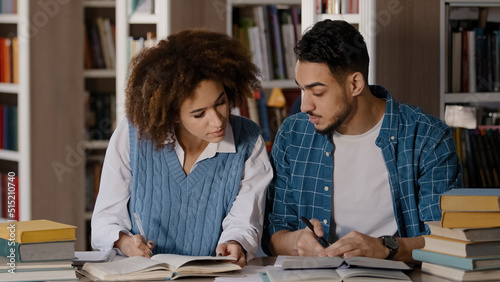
x=276, y=44
x=472, y=263
x=496, y=62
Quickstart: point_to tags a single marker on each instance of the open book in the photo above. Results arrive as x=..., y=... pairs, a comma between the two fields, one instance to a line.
x=296, y=262
x=161, y=266
x=295, y=268
x=336, y=275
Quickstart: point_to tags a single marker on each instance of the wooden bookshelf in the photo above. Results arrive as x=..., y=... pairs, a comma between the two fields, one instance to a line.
x=480, y=98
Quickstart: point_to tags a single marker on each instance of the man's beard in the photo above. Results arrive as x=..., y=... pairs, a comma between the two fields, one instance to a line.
x=345, y=110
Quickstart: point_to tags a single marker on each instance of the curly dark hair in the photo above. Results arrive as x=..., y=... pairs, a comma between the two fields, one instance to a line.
x=161, y=78
x=337, y=44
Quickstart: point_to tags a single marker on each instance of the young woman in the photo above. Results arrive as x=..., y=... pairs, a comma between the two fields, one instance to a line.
x=194, y=174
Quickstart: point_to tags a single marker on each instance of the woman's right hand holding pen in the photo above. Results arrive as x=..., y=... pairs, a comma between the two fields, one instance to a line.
x=136, y=245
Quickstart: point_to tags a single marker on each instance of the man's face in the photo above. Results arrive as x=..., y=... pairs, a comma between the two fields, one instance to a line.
x=324, y=100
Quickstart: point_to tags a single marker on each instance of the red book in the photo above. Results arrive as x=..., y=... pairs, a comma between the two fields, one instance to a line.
x=13, y=198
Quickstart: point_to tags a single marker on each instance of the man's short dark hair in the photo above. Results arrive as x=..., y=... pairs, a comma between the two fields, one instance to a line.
x=337, y=44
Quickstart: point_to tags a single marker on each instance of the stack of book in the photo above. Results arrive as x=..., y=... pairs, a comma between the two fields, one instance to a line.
x=465, y=244
x=36, y=250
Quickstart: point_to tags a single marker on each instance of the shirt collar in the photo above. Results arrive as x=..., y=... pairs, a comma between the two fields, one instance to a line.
x=388, y=132
x=225, y=146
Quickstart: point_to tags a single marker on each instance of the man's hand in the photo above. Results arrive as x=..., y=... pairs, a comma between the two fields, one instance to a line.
x=233, y=249
x=359, y=244
x=356, y=244
x=132, y=246
x=302, y=242
x=307, y=243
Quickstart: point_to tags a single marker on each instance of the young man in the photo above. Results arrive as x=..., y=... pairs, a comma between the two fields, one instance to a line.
x=363, y=167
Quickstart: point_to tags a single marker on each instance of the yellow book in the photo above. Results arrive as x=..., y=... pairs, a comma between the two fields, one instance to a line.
x=470, y=219
x=471, y=199
x=37, y=231
x=15, y=60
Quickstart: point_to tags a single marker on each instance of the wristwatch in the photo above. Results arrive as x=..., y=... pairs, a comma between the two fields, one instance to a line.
x=392, y=244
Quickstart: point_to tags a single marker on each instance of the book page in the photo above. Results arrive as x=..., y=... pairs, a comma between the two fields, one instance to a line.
x=287, y=275
x=294, y=262
x=377, y=263
x=125, y=266
x=197, y=264
x=367, y=274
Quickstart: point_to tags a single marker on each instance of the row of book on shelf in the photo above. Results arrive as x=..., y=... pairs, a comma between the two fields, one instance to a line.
x=37, y=250
x=337, y=7
x=100, y=41
x=136, y=44
x=8, y=127
x=269, y=110
x=9, y=60
x=465, y=244
x=474, y=50
x=100, y=115
x=270, y=33
x=479, y=153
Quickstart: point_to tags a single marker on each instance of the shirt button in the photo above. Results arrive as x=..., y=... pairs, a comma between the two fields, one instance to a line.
x=326, y=188
x=327, y=154
x=325, y=221
x=392, y=137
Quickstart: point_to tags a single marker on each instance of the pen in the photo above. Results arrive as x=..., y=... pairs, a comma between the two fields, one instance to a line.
x=321, y=240
x=138, y=221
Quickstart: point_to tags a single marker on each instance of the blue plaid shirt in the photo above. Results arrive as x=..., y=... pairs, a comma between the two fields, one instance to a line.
x=418, y=150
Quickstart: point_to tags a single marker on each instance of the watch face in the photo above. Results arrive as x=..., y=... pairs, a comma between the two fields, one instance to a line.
x=391, y=242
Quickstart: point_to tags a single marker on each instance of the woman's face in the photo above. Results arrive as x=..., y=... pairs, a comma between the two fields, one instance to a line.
x=206, y=114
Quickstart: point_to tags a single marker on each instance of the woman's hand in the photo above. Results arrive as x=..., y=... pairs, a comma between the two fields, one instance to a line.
x=132, y=246
x=233, y=249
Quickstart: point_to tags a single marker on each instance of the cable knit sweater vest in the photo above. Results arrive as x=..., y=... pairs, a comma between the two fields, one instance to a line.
x=183, y=214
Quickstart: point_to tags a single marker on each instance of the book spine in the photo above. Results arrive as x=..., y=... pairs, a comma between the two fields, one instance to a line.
x=277, y=46
x=9, y=249
x=456, y=62
x=496, y=84
x=464, y=86
x=442, y=259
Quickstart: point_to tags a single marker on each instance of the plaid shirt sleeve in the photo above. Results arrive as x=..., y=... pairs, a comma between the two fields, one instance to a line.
x=422, y=162
x=302, y=178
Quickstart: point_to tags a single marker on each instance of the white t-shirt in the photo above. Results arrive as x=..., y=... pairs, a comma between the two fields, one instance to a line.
x=361, y=192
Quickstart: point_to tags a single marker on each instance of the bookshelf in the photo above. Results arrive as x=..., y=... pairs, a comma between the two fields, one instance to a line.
x=452, y=13
x=47, y=160
x=364, y=20
x=136, y=25
x=271, y=81
x=18, y=95
x=99, y=76
x=470, y=77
